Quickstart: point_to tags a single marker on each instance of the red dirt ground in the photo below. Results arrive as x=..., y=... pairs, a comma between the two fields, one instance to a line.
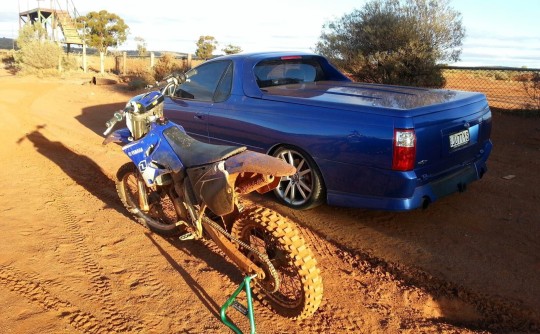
x=73, y=261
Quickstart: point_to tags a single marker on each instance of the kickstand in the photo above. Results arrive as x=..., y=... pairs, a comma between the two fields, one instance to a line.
x=248, y=312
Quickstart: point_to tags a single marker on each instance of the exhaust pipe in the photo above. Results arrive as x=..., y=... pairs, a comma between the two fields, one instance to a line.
x=426, y=202
x=482, y=172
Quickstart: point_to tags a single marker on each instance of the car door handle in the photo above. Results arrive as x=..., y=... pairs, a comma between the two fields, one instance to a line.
x=198, y=116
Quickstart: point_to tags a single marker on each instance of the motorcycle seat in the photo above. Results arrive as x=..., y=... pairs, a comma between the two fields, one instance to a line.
x=196, y=153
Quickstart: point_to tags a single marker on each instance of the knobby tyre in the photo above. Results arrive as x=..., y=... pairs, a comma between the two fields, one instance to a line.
x=161, y=216
x=301, y=289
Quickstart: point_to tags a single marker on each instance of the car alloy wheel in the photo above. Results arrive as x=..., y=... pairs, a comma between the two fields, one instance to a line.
x=302, y=190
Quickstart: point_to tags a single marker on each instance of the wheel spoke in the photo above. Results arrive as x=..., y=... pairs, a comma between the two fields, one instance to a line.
x=293, y=192
x=290, y=158
x=300, y=165
x=302, y=193
x=302, y=184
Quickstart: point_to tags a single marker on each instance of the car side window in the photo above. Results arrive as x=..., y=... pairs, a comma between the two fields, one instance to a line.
x=202, y=81
x=224, y=87
x=282, y=72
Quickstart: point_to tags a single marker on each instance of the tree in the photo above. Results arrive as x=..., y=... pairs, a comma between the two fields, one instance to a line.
x=205, y=47
x=141, y=46
x=231, y=49
x=104, y=30
x=395, y=41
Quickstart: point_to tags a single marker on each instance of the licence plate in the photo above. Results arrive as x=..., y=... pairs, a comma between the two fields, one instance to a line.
x=459, y=138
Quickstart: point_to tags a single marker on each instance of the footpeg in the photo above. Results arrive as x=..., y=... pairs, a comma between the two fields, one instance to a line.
x=187, y=236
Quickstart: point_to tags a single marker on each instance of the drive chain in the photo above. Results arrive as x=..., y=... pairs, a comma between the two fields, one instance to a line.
x=263, y=257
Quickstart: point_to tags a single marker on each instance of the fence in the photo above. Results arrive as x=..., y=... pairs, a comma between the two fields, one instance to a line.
x=127, y=64
x=505, y=88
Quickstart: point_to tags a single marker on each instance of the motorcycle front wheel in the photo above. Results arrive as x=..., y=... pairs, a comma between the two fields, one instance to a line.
x=300, y=285
x=161, y=216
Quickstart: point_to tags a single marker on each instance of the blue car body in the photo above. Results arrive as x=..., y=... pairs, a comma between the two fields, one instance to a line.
x=349, y=129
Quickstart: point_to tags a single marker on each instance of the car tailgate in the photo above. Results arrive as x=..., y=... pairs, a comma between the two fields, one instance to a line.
x=449, y=140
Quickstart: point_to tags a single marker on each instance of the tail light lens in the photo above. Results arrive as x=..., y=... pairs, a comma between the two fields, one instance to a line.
x=404, y=150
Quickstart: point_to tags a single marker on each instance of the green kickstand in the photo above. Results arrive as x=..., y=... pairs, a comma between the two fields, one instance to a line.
x=239, y=307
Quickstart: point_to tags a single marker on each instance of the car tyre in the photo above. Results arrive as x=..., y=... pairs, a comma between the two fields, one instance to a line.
x=305, y=189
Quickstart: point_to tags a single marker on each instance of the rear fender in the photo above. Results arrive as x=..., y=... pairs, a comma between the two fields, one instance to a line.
x=251, y=171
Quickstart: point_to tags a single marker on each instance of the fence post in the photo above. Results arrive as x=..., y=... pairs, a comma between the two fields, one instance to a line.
x=102, y=62
x=124, y=65
x=152, y=59
x=189, y=60
x=84, y=61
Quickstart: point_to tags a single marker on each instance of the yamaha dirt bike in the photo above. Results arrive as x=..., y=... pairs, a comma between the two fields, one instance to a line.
x=178, y=186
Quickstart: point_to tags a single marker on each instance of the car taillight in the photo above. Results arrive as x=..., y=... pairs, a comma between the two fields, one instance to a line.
x=404, y=150
x=291, y=57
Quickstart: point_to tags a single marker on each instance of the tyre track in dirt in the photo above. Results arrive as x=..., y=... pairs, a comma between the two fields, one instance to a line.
x=101, y=293
x=30, y=286
x=84, y=258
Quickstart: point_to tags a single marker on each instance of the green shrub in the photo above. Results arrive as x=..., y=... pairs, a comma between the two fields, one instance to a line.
x=141, y=80
x=69, y=63
x=165, y=66
x=39, y=55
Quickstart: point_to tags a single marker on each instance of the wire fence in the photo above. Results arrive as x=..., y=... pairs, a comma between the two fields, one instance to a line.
x=505, y=88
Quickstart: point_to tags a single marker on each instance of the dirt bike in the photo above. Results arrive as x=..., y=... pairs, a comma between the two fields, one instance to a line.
x=178, y=186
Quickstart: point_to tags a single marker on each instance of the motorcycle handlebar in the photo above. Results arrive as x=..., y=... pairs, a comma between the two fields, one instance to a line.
x=117, y=117
x=179, y=77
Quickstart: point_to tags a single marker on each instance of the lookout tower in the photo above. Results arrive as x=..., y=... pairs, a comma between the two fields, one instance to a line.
x=59, y=22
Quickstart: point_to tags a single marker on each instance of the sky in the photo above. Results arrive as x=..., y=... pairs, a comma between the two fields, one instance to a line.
x=498, y=32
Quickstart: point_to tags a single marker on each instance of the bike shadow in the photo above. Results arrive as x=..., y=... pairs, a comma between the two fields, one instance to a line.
x=80, y=168
x=216, y=262
x=95, y=117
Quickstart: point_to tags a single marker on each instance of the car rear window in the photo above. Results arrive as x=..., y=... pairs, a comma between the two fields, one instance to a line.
x=277, y=72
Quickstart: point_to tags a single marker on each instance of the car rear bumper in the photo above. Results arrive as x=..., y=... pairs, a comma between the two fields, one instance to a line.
x=423, y=192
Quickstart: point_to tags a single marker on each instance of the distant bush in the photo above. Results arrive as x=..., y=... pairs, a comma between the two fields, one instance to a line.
x=69, y=63
x=395, y=41
x=37, y=55
x=166, y=64
x=532, y=89
x=141, y=80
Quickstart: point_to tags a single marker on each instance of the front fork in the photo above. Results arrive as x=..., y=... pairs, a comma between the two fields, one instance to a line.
x=143, y=196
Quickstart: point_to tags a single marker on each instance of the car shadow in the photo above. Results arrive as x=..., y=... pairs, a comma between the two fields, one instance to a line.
x=434, y=250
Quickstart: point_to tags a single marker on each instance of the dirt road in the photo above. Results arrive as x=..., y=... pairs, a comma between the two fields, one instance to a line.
x=73, y=261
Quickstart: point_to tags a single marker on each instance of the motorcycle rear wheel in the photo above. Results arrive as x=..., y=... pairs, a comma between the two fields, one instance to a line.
x=161, y=216
x=300, y=291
